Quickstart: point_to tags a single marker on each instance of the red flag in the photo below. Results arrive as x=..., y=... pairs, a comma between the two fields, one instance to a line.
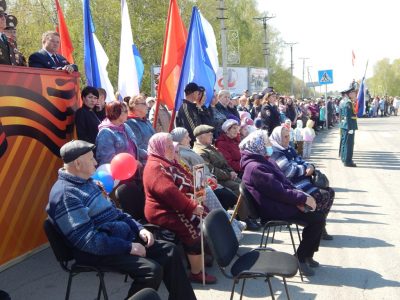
x=171, y=62
x=66, y=47
x=353, y=57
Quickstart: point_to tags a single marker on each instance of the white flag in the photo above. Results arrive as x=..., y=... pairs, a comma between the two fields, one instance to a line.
x=128, y=84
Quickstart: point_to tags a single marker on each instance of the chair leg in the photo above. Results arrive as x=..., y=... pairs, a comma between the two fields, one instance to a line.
x=103, y=286
x=298, y=232
x=241, y=292
x=233, y=288
x=270, y=288
x=126, y=278
x=69, y=285
x=286, y=288
x=294, y=250
x=273, y=235
x=99, y=291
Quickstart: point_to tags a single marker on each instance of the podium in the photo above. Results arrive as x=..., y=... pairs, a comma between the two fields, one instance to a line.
x=36, y=118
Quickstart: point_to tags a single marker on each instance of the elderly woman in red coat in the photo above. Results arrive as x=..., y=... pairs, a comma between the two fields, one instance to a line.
x=228, y=144
x=169, y=200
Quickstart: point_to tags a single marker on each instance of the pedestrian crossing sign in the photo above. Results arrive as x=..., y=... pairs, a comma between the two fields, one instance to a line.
x=325, y=76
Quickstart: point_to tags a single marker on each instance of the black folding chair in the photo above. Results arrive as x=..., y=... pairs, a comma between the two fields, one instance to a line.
x=64, y=256
x=260, y=262
x=272, y=224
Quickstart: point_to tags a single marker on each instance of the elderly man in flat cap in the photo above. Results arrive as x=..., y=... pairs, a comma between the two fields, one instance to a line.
x=220, y=168
x=102, y=235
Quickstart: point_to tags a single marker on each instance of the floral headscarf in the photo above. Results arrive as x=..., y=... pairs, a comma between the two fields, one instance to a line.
x=157, y=144
x=255, y=142
x=276, y=137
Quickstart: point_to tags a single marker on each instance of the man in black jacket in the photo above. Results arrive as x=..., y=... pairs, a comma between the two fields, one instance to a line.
x=269, y=111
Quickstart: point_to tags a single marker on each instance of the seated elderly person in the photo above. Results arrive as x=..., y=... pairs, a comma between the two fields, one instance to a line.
x=220, y=168
x=228, y=144
x=138, y=122
x=189, y=158
x=299, y=172
x=102, y=235
x=277, y=198
x=169, y=201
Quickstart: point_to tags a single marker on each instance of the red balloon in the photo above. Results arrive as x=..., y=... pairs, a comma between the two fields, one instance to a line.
x=123, y=166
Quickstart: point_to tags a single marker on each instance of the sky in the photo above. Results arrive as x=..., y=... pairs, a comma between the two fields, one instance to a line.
x=328, y=31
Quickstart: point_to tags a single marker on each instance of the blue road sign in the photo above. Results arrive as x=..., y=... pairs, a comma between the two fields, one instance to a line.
x=325, y=76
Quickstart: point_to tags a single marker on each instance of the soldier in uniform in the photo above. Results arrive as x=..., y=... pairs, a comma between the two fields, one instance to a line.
x=5, y=47
x=269, y=110
x=10, y=31
x=348, y=125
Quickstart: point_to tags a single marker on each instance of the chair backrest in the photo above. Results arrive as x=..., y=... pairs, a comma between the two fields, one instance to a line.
x=251, y=203
x=220, y=237
x=146, y=294
x=62, y=252
x=131, y=198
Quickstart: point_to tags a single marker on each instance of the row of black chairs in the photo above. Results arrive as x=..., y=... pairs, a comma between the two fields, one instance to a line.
x=261, y=262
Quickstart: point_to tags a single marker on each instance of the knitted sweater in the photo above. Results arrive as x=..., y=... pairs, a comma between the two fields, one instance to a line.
x=87, y=219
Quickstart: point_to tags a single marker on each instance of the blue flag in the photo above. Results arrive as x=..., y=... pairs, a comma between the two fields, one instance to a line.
x=197, y=66
x=90, y=57
x=361, y=100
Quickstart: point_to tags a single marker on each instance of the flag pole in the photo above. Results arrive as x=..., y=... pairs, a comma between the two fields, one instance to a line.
x=366, y=67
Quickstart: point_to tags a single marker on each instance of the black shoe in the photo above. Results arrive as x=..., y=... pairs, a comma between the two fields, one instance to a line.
x=252, y=224
x=325, y=236
x=306, y=270
x=312, y=263
x=351, y=165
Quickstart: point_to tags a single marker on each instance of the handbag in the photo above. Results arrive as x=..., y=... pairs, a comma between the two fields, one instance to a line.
x=320, y=180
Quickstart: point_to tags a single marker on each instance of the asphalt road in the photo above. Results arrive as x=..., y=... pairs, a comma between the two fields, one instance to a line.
x=362, y=262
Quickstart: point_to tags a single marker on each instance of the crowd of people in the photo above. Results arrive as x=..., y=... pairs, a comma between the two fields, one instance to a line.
x=256, y=139
x=263, y=140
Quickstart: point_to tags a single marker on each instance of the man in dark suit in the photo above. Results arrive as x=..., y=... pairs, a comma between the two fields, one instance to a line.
x=48, y=57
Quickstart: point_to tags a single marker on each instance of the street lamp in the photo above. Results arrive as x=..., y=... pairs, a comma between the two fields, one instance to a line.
x=291, y=66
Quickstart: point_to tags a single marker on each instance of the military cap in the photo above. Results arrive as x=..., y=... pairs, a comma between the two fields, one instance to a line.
x=74, y=149
x=11, y=22
x=353, y=87
x=202, y=129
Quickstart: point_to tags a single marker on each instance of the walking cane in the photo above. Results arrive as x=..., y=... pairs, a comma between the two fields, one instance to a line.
x=235, y=212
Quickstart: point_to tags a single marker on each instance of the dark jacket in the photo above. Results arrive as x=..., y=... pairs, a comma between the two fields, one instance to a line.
x=87, y=124
x=42, y=59
x=5, y=51
x=275, y=196
x=188, y=117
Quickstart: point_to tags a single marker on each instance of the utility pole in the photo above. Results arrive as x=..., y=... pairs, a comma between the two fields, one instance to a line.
x=266, y=49
x=310, y=79
x=291, y=66
x=304, y=66
x=222, y=19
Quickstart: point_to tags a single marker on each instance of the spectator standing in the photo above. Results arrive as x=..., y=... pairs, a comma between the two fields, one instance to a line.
x=308, y=138
x=86, y=120
x=100, y=108
x=163, y=119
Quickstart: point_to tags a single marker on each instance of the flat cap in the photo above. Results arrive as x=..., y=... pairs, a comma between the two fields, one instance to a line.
x=74, y=149
x=202, y=129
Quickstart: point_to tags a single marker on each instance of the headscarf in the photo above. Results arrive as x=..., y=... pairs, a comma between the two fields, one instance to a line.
x=255, y=142
x=178, y=134
x=276, y=137
x=157, y=144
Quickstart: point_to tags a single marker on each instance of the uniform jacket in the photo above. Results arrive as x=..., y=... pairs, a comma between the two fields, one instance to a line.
x=41, y=59
x=275, y=196
x=348, y=115
x=230, y=150
x=5, y=51
x=215, y=161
